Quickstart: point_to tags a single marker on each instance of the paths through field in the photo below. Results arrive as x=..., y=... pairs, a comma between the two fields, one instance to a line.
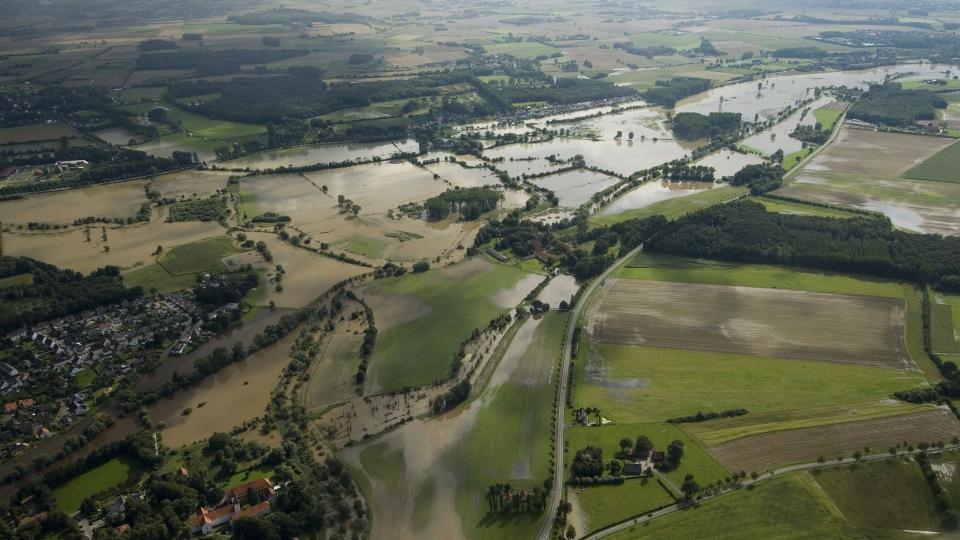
x=650, y=516
x=558, y=469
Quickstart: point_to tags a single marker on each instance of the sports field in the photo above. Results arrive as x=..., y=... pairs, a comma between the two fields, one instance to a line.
x=806, y=325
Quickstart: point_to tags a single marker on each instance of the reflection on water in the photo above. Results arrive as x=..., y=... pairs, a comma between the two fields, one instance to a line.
x=574, y=188
x=561, y=288
x=778, y=137
x=654, y=192
x=778, y=93
x=322, y=153
x=727, y=163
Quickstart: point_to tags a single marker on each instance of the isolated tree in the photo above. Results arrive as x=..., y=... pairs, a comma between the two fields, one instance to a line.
x=355, y=209
x=643, y=445
x=625, y=443
x=158, y=114
x=630, y=135
x=689, y=487
x=571, y=532
x=340, y=200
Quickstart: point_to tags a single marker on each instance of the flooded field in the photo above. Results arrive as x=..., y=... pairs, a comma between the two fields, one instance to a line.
x=778, y=137
x=129, y=245
x=778, y=93
x=165, y=146
x=321, y=153
x=463, y=176
x=441, y=467
x=119, y=200
x=189, y=183
x=561, y=288
x=306, y=276
x=862, y=168
x=653, y=192
x=118, y=136
x=574, y=188
x=727, y=163
x=230, y=397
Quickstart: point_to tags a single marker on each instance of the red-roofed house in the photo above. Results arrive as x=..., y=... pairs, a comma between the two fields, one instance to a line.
x=262, y=487
x=205, y=520
x=261, y=509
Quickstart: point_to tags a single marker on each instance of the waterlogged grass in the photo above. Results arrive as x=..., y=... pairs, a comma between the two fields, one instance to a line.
x=647, y=384
x=112, y=473
x=420, y=351
x=940, y=167
x=510, y=441
x=787, y=508
x=790, y=207
x=674, y=208
x=203, y=256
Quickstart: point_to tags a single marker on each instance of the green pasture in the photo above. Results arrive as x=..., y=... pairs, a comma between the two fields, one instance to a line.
x=155, y=276
x=196, y=257
x=940, y=167
x=827, y=118
x=791, y=207
x=673, y=208
x=648, y=384
x=17, y=280
x=420, y=351
x=69, y=495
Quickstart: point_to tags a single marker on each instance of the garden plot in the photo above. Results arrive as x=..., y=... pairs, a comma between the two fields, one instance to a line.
x=764, y=322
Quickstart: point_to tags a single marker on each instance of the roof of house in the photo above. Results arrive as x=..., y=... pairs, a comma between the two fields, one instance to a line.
x=258, y=485
x=253, y=511
x=210, y=516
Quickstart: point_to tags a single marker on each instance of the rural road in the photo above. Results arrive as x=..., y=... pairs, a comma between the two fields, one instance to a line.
x=649, y=516
x=558, y=471
x=833, y=135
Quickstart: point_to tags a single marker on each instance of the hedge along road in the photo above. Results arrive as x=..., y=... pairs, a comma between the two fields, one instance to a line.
x=558, y=472
x=640, y=519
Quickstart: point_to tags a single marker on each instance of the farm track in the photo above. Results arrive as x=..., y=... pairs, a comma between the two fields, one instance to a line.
x=847, y=329
x=766, y=450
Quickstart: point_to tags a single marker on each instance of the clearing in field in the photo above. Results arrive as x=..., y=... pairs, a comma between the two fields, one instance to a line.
x=429, y=478
x=804, y=325
x=907, y=502
x=940, y=167
x=769, y=450
x=423, y=318
x=863, y=169
x=789, y=508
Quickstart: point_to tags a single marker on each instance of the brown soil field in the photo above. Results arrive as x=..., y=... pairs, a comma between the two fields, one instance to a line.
x=849, y=329
x=189, y=183
x=768, y=450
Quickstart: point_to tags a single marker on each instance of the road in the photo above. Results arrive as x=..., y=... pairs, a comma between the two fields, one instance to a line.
x=833, y=135
x=799, y=467
x=559, y=474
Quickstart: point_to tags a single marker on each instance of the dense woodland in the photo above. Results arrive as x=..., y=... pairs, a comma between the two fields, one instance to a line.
x=890, y=105
x=667, y=93
x=470, y=203
x=759, y=178
x=690, y=126
x=744, y=231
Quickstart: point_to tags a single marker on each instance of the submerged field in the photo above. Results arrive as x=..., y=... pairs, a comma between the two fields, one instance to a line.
x=429, y=478
x=423, y=318
x=864, y=169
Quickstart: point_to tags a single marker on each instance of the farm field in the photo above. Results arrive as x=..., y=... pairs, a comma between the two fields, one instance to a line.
x=650, y=384
x=788, y=508
x=322, y=153
x=790, y=207
x=112, y=473
x=332, y=376
x=429, y=478
x=946, y=466
x=945, y=323
x=864, y=169
x=671, y=207
x=423, y=318
x=575, y=187
x=189, y=183
x=768, y=450
x=907, y=504
x=857, y=330
x=940, y=167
